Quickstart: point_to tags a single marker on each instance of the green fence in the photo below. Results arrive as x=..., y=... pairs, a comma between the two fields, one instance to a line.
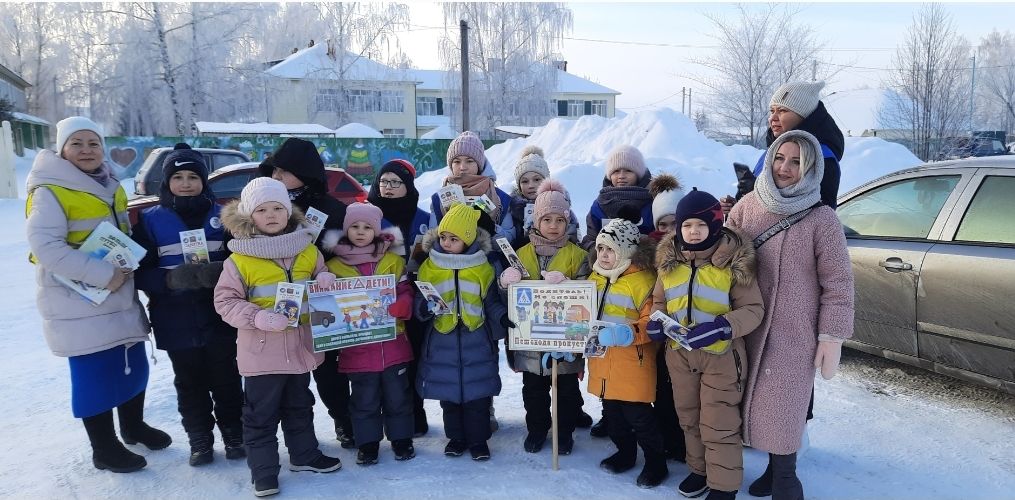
x=359, y=157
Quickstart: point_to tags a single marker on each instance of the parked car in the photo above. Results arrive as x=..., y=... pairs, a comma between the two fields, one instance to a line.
x=976, y=146
x=149, y=177
x=933, y=255
x=228, y=181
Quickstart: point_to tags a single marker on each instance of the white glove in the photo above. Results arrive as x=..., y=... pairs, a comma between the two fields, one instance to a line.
x=509, y=277
x=554, y=277
x=827, y=357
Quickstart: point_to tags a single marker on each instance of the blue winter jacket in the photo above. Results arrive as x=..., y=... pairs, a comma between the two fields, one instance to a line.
x=420, y=225
x=505, y=226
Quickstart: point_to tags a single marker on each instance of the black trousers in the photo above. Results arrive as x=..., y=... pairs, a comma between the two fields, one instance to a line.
x=536, y=398
x=209, y=388
x=631, y=423
x=468, y=422
x=272, y=399
x=381, y=404
x=414, y=329
x=333, y=389
x=665, y=411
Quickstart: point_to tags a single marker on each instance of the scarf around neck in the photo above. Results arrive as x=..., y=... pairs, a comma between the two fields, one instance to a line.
x=282, y=246
x=545, y=247
x=612, y=199
x=353, y=255
x=805, y=193
x=612, y=274
x=478, y=185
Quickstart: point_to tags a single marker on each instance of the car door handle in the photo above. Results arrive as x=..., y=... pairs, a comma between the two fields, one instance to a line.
x=895, y=264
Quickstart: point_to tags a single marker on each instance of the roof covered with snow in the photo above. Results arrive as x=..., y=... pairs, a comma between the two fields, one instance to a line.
x=429, y=79
x=314, y=62
x=441, y=132
x=262, y=128
x=25, y=117
x=433, y=79
x=357, y=131
x=433, y=120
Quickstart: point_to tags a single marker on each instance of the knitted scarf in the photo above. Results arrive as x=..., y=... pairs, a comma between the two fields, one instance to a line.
x=612, y=199
x=805, y=193
x=545, y=247
x=282, y=246
x=478, y=185
x=354, y=255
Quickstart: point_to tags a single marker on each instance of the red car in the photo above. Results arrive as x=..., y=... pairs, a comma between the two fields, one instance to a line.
x=228, y=181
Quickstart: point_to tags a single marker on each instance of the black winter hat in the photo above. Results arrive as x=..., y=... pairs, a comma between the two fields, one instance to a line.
x=704, y=206
x=299, y=157
x=182, y=157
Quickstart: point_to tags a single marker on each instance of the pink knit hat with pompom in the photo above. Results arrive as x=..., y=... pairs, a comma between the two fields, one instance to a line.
x=551, y=198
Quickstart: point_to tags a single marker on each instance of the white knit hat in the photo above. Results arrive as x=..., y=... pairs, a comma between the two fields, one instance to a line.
x=622, y=236
x=66, y=128
x=531, y=160
x=262, y=190
x=628, y=157
x=666, y=192
x=799, y=97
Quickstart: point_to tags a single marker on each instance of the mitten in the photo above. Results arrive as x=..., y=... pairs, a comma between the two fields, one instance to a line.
x=616, y=336
x=654, y=328
x=270, y=321
x=554, y=277
x=184, y=277
x=509, y=277
x=209, y=274
x=827, y=356
x=401, y=308
x=506, y=322
x=325, y=279
x=423, y=311
x=120, y=276
x=706, y=334
x=559, y=356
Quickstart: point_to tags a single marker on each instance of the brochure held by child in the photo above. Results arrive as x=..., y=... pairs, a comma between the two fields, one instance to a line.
x=289, y=301
x=593, y=349
x=512, y=257
x=315, y=220
x=195, y=247
x=108, y=243
x=433, y=298
x=449, y=195
x=668, y=325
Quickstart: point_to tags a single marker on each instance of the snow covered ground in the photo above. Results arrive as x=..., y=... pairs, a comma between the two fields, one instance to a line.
x=875, y=434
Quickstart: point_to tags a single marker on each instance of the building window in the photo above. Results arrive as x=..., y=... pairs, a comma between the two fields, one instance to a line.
x=391, y=101
x=599, y=108
x=361, y=101
x=575, y=108
x=393, y=133
x=426, y=106
x=328, y=100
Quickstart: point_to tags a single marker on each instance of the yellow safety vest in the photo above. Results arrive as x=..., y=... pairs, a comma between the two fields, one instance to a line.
x=84, y=212
x=473, y=283
x=390, y=263
x=567, y=260
x=622, y=300
x=263, y=275
x=709, y=296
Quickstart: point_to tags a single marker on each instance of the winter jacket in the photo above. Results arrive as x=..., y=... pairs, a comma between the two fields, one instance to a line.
x=408, y=241
x=246, y=288
x=612, y=200
x=181, y=319
x=72, y=325
x=627, y=373
x=517, y=209
x=376, y=357
x=459, y=357
x=505, y=226
x=805, y=276
x=724, y=284
x=821, y=125
x=570, y=260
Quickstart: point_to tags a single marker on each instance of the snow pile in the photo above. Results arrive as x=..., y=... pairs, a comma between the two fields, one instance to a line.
x=357, y=131
x=262, y=128
x=867, y=158
x=441, y=132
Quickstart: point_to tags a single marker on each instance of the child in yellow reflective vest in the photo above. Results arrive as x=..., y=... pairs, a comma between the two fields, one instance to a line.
x=707, y=283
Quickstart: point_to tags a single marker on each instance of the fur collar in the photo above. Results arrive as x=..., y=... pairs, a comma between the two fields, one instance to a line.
x=242, y=227
x=483, y=246
x=734, y=250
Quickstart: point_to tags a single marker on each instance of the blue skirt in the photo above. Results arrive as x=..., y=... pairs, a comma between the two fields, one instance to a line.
x=106, y=379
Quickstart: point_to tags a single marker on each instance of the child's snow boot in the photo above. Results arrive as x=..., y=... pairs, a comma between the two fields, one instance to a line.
x=601, y=429
x=785, y=483
x=584, y=420
x=654, y=472
x=201, y=448
x=108, y=453
x=480, y=452
x=266, y=486
x=367, y=454
x=232, y=438
x=455, y=448
x=694, y=485
x=534, y=442
x=623, y=460
x=403, y=449
x=721, y=495
x=321, y=464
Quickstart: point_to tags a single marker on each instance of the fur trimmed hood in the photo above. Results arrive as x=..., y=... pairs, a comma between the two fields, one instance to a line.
x=643, y=257
x=734, y=251
x=242, y=227
x=482, y=237
x=392, y=233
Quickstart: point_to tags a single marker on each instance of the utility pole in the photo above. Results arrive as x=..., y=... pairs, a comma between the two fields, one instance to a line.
x=688, y=101
x=814, y=70
x=463, y=28
x=972, y=95
x=683, y=100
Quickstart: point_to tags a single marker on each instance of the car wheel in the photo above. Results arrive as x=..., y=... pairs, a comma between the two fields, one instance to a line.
x=326, y=322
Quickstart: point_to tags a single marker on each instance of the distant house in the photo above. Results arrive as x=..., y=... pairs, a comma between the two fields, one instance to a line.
x=29, y=131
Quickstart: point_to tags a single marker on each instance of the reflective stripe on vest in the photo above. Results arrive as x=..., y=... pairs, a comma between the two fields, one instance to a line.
x=623, y=301
x=262, y=276
x=165, y=225
x=567, y=260
x=390, y=263
x=473, y=283
x=84, y=212
x=709, y=296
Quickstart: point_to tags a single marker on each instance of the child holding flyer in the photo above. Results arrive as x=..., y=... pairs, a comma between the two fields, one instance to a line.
x=550, y=256
x=460, y=355
x=707, y=283
x=272, y=245
x=530, y=172
x=625, y=378
x=201, y=347
x=381, y=400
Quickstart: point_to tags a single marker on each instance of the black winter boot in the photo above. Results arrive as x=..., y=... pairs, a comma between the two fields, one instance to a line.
x=654, y=472
x=403, y=449
x=344, y=435
x=534, y=442
x=762, y=487
x=232, y=438
x=601, y=429
x=721, y=495
x=367, y=454
x=623, y=460
x=584, y=420
x=785, y=484
x=694, y=485
x=134, y=430
x=201, y=448
x=108, y=453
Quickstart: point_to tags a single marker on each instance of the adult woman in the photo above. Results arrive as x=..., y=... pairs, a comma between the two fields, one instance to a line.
x=69, y=194
x=394, y=192
x=805, y=276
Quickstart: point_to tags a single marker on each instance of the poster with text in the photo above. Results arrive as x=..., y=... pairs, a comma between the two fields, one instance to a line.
x=551, y=317
x=353, y=311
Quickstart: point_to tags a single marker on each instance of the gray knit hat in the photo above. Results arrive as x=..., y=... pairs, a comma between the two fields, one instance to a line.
x=531, y=160
x=467, y=144
x=628, y=157
x=799, y=97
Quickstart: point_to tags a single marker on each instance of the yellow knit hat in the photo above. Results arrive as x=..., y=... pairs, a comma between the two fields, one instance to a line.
x=460, y=221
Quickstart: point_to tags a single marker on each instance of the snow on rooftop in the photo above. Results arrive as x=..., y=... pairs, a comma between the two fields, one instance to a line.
x=441, y=132
x=357, y=131
x=313, y=62
x=429, y=79
x=262, y=128
x=25, y=117
x=433, y=121
x=573, y=84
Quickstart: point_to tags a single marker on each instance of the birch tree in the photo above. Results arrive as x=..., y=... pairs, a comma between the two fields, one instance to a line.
x=996, y=81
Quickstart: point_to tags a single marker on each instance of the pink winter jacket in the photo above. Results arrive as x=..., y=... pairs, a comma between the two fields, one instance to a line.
x=260, y=352
x=375, y=358
x=807, y=283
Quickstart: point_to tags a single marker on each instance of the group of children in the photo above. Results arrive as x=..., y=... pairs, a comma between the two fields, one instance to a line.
x=691, y=268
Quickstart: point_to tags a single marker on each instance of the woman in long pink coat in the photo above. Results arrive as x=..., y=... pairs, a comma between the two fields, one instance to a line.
x=806, y=279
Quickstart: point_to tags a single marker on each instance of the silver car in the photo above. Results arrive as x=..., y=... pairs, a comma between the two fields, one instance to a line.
x=933, y=254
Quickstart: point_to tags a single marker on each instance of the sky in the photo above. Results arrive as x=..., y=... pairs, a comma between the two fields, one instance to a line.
x=860, y=38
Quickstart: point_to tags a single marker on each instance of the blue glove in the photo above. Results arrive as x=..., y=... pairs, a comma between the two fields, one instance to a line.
x=706, y=334
x=616, y=336
x=655, y=331
x=559, y=356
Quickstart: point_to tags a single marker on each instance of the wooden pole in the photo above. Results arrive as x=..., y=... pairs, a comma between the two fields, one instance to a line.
x=553, y=414
x=463, y=27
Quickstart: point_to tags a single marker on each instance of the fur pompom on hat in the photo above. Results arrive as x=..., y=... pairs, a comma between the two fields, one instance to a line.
x=66, y=127
x=666, y=192
x=263, y=190
x=461, y=221
x=799, y=97
x=467, y=144
x=627, y=157
x=551, y=198
x=531, y=160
